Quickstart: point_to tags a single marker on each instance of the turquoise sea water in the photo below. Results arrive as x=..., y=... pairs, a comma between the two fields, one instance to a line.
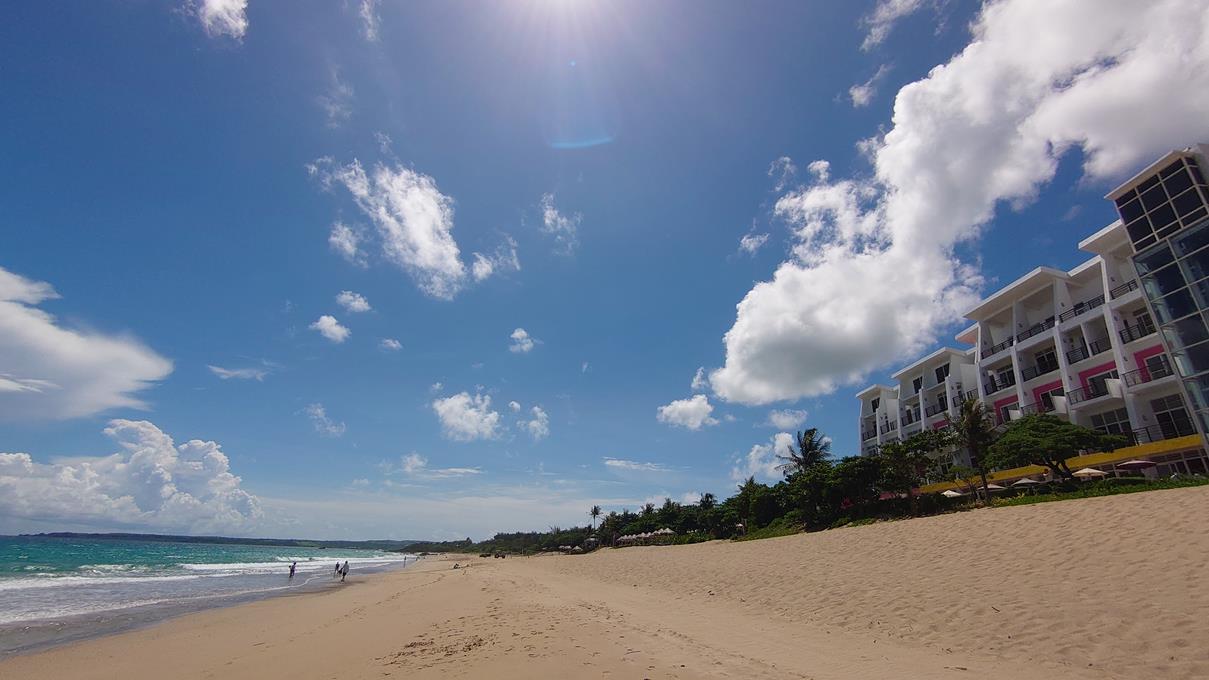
x=76, y=581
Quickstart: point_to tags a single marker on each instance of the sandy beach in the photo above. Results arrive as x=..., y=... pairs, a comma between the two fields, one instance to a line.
x=1097, y=588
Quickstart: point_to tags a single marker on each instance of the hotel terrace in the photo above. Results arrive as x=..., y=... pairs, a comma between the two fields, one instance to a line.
x=1119, y=344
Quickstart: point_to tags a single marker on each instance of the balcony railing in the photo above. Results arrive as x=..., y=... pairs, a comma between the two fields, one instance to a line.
x=1098, y=346
x=1148, y=373
x=1080, y=307
x=1039, y=328
x=910, y=415
x=1001, y=383
x=935, y=408
x=972, y=394
x=1096, y=388
x=1157, y=433
x=1037, y=407
x=995, y=349
x=1030, y=372
x=888, y=426
x=1140, y=330
x=868, y=434
x=1123, y=289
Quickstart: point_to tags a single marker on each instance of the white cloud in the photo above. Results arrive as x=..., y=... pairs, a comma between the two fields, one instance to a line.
x=415, y=465
x=522, y=342
x=413, y=218
x=782, y=170
x=149, y=484
x=347, y=241
x=692, y=413
x=539, y=426
x=583, y=368
x=330, y=328
x=564, y=228
x=862, y=93
x=223, y=17
x=761, y=461
x=251, y=373
x=515, y=406
x=700, y=381
x=503, y=260
x=436, y=387
x=874, y=275
x=54, y=372
x=390, y=344
x=369, y=19
x=322, y=423
x=337, y=102
x=634, y=465
x=467, y=418
x=885, y=15
x=352, y=302
x=787, y=419
x=750, y=243
x=690, y=498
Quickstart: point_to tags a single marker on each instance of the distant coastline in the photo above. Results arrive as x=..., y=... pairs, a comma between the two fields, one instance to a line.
x=229, y=540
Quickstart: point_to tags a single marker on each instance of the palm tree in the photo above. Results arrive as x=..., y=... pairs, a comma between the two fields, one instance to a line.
x=648, y=509
x=594, y=513
x=708, y=500
x=812, y=448
x=975, y=431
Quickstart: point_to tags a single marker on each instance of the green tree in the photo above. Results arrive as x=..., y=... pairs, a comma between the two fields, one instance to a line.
x=594, y=513
x=854, y=483
x=975, y=431
x=1047, y=440
x=811, y=447
x=648, y=509
x=906, y=464
x=708, y=501
x=808, y=490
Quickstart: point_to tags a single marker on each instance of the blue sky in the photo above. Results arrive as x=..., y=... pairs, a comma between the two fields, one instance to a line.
x=187, y=177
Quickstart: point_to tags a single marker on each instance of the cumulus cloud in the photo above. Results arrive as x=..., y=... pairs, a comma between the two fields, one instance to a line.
x=415, y=465
x=633, y=465
x=250, y=373
x=150, y=483
x=467, y=418
x=369, y=19
x=750, y=243
x=862, y=93
x=700, y=382
x=223, y=17
x=987, y=127
x=782, y=171
x=692, y=413
x=390, y=344
x=690, y=498
x=515, y=406
x=504, y=259
x=761, y=461
x=885, y=15
x=330, y=328
x=50, y=371
x=787, y=419
x=539, y=426
x=352, y=302
x=522, y=342
x=414, y=220
x=321, y=422
x=346, y=241
x=564, y=228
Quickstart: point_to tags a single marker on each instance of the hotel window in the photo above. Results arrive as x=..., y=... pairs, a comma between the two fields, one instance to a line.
x=1112, y=422
x=1171, y=416
x=1046, y=361
x=1160, y=205
x=942, y=372
x=1046, y=399
x=1157, y=366
x=1097, y=385
x=1004, y=416
x=877, y=401
x=918, y=384
x=942, y=400
x=1005, y=376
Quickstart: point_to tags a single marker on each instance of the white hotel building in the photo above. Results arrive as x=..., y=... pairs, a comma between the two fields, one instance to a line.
x=1094, y=344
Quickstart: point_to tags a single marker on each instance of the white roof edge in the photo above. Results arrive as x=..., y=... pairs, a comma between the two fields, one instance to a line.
x=1147, y=172
x=1013, y=287
x=1080, y=268
x=1089, y=243
x=924, y=360
x=872, y=388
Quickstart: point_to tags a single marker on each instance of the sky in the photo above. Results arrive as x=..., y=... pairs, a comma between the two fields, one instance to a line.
x=430, y=270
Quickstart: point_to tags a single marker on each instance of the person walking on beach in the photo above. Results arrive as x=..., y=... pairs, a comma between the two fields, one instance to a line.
x=336, y=571
x=293, y=566
x=344, y=571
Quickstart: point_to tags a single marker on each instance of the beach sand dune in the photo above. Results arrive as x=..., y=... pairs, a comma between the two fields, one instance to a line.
x=1098, y=588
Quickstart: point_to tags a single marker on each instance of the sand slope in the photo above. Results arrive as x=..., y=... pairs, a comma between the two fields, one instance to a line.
x=1101, y=588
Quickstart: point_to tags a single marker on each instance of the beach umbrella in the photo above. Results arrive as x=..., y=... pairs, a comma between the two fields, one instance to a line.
x=952, y=494
x=995, y=487
x=1026, y=482
x=1088, y=473
x=1136, y=464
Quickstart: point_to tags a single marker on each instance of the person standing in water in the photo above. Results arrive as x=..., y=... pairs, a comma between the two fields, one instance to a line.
x=336, y=572
x=293, y=566
x=344, y=571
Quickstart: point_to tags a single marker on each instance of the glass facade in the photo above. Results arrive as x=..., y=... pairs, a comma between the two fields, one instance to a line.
x=1167, y=219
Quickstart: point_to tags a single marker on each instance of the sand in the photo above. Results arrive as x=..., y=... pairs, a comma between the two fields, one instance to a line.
x=1098, y=588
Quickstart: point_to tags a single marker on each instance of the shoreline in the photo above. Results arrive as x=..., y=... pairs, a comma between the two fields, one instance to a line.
x=1093, y=588
x=32, y=637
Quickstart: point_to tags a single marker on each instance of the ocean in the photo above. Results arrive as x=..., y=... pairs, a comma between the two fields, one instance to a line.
x=55, y=590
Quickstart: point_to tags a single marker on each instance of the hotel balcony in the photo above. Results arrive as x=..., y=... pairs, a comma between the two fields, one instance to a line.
x=935, y=408
x=1094, y=390
x=1091, y=349
x=1158, y=433
x=1029, y=372
x=972, y=394
x=1149, y=373
x=997, y=348
x=868, y=434
x=1002, y=383
x=1138, y=331
x=1039, y=328
x=1085, y=306
x=1036, y=407
x=1123, y=289
x=888, y=426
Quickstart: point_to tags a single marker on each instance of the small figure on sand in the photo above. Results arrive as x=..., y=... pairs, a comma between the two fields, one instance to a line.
x=336, y=571
x=293, y=566
x=344, y=571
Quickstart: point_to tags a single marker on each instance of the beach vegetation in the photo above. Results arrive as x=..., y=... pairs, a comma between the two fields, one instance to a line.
x=975, y=431
x=1048, y=441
